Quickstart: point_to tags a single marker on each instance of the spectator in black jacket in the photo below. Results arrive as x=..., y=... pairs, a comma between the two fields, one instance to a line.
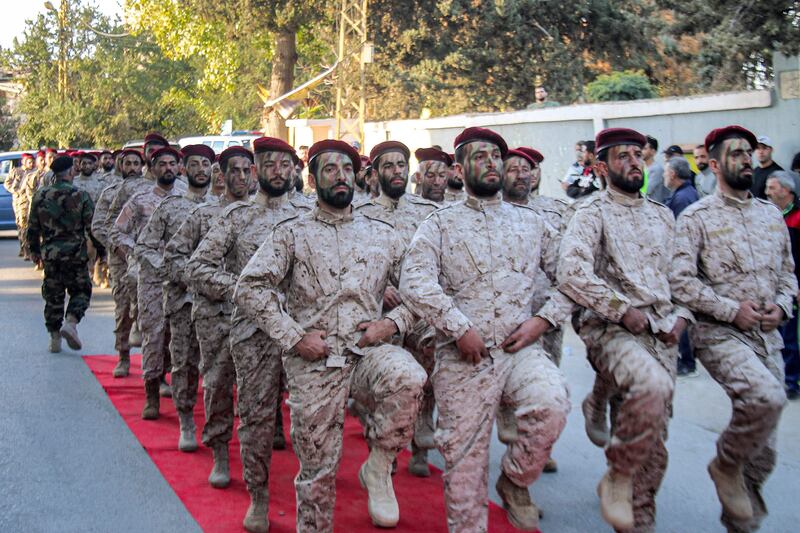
x=766, y=166
x=679, y=178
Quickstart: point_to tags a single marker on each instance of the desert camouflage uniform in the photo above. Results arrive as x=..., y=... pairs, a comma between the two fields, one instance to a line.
x=93, y=185
x=212, y=324
x=453, y=196
x=27, y=188
x=328, y=272
x=214, y=268
x=58, y=226
x=14, y=184
x=149, y=293
x=465, y=268
x=615, y=255
x=117, y=267
x=405, y=214
x=728, y=251
x=177, y=303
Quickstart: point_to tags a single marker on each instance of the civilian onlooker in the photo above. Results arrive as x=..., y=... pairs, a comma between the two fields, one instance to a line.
x=706, y=181
x=673, y=151
x=679, y=179
x=766, y=166
x=575, y=170
x=654, y=173
x=587, y=182
x=781, y=188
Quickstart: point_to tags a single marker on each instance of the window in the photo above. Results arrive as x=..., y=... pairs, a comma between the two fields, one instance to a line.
x=5, y=168
x=218, y=146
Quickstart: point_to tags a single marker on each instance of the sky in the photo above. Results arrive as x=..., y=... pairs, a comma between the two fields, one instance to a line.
x=16, y=12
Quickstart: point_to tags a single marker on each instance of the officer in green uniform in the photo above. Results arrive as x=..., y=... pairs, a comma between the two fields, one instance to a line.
x=58, y=226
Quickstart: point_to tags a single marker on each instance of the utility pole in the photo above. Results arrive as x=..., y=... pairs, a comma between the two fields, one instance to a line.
x=63, y=17
x=354, y=52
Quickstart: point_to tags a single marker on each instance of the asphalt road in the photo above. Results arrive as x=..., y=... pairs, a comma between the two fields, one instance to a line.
x=69, y=463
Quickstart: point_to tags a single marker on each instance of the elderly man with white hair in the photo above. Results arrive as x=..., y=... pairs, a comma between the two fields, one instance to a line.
x=782, y=187
x=679, y=178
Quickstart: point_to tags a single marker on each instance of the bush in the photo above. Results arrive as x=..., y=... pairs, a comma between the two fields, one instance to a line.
x=626, y=85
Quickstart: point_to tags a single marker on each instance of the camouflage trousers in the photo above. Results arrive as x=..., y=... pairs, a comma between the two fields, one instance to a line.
x=20, y=220
x=153, y=326
x=638, y=373
x=59, y=280
x=123, y=300
x=258, y=382
x=752, y=376
x=185, y=352
x=420, y=342
x=468, y=396
x=219, y=377
x=386, y=380
x=552, y=342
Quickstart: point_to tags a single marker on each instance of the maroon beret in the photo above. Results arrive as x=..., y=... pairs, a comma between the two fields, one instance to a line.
x=89, y=155
x=519, y=153
x=271, y=144
x=234, y=151
x=167, y=150
x=535, y=154
x=433, y=154
x=616, y=136
x=132, y=151
x=109, y=152
x=365, y=161
x=116, y=153
x=389, y=146
x=40, y=153
x=333, y=145
x=728, y=132
x=27, y=156
x=51, y=151
x=154, y=137
x=197, y=149
x=481, y=134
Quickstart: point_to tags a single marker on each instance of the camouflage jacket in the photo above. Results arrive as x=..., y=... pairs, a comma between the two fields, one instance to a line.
x=134, y=215
x=59, y=222
x=551, y=209
x=452, y=196
x=405, y=213
x=477, y=264
x=93, y=184
x=616, y=253
x=99, y=227
x=728, y=251
x=325, y=271
x=159, y=229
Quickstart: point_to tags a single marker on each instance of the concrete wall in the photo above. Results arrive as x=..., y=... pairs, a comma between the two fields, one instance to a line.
x=553, y=131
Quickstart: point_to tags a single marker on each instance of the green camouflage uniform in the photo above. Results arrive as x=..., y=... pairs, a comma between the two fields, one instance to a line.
x=58, y=225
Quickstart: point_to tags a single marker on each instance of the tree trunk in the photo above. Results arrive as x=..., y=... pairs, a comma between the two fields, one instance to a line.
x=282, y=79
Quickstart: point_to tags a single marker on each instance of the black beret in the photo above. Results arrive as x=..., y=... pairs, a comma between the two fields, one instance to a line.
x=61, y=163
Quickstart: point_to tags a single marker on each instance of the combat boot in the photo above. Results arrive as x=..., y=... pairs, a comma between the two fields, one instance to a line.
x=595, y=422
x=255, y=521
x=220, y=476
x=616, y=499
x=418, y=465
x=164, y=388
x=278, y=438
x=187, y=441
x=55, y=342
x=550, y=467
x=123, y=365
x=70, y=332
x=150, y=411
x=520, y=509
x=375, y=476
x=135, y=336
x=731, y=490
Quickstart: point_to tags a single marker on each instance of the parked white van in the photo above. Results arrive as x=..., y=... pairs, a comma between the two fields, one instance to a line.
x=219, y=142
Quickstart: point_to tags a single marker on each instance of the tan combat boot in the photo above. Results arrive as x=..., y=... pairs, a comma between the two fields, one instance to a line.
x=256, y=521
x=123, y=365
x=520, y=510
x=70, y=332
x=375, y=476
x=616, y=499
x=150, y=411
x=595, y=421
x=55, y=342
x=418, y=465
x=731, y=490
x=135, y=336
x=220, y=476
x=187, y=441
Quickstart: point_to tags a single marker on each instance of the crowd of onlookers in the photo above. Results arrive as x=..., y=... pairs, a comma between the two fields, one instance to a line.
x=680, y=181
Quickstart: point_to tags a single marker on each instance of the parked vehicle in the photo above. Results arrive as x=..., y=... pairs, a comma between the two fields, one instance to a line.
x=218, y=143
x=8, y=160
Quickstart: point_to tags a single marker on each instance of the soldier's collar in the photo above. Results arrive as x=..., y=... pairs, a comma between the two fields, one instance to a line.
x=480, y=204
x=735, y=202
x=388, y=202
x=262, y=198
x=624, y=199
x=329, y=217
x=196, y=196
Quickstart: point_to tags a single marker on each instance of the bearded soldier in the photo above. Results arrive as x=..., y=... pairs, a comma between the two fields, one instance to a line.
x=733, y=267
x=177, y=304
x=214, y=268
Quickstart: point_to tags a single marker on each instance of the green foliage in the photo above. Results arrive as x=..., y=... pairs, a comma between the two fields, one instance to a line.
x=617, y=86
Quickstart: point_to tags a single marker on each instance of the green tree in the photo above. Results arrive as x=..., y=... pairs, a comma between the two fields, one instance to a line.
x=617, y=86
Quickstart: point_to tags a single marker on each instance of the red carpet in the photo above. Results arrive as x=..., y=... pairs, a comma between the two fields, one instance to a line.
x=421, y=500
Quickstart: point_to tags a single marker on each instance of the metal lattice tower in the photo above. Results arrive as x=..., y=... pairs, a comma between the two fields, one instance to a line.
x=354, y=53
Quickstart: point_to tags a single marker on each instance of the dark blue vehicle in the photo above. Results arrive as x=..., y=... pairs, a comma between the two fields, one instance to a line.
x=8, y=160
